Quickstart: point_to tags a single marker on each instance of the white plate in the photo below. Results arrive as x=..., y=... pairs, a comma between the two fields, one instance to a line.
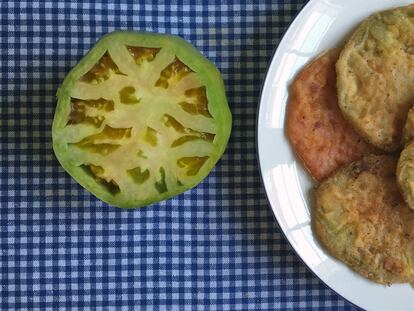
x=322, y=24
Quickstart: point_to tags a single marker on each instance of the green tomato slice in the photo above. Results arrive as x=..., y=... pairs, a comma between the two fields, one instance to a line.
x=141, y=118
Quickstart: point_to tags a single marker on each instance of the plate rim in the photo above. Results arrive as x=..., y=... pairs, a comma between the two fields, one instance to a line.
x=258, y=109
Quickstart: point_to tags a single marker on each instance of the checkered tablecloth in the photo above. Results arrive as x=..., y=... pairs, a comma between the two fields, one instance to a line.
x=216, y=247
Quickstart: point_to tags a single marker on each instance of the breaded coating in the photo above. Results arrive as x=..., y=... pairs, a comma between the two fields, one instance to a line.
x=408, y=131
x=315, y=126
x=405, y=173
x=375, y=76
x=362, y=219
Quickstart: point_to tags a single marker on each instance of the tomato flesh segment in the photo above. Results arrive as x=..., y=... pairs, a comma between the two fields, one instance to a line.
x=138, y=175
x=89, y=111
x=96, y=172
x=151, y=137
x=96, y=143
x=102, y=70
x=161, y=185
x=142, y=54
x=142, y=137
x=126, y=95
x=169, y=121
x=172, y=74
x=193, y=163
x=201, y=103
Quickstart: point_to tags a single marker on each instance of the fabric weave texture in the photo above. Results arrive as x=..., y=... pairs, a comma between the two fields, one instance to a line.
x=216, y=247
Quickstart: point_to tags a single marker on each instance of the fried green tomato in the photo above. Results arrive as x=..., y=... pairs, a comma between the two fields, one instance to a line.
x=375, y=76
x=141, y=118
x=318, y=132
x=405, y=173
x=408, y=130
x=362, y=219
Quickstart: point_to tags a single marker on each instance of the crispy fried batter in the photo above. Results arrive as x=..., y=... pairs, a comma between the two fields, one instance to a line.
x=405, y=173
x=408, y=131
x=361, y=218
x=375, y=76
x=405, y=166
x=315, y=126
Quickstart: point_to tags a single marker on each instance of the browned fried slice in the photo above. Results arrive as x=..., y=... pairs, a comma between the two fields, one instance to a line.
x=376, y=76
x=405, y=166
x=315, y=126
x=361, y=218
x=408, y=130
x=405, y=173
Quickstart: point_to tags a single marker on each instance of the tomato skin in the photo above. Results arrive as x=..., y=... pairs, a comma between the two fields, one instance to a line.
x=217, y=108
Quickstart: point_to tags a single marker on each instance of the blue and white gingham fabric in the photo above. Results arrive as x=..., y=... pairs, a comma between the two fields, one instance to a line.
x=215, y=247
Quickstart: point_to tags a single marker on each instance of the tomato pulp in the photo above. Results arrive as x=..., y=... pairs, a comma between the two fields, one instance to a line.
x=141, y=118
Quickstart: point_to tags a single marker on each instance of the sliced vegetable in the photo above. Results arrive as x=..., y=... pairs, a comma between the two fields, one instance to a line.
x=141, y=118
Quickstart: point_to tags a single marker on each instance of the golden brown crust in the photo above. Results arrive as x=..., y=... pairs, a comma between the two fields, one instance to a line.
x=315, y=126
x=405, y=173
x=408, y=131
x=375, y=75
x=361, y=218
